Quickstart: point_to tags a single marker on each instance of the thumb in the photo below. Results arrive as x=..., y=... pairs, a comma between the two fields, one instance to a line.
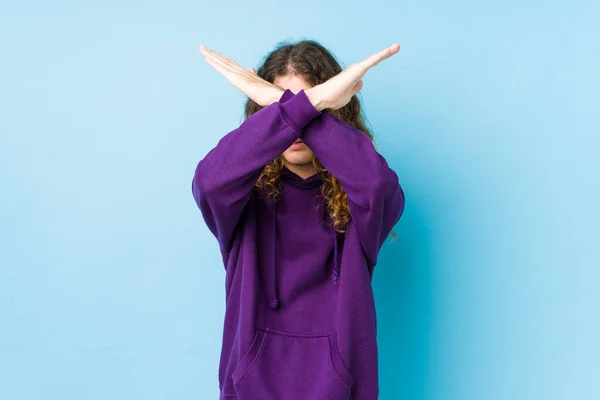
x=252, y=70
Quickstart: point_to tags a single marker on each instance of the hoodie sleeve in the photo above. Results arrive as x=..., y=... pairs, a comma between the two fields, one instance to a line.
x=375, y=197
x=224, y=178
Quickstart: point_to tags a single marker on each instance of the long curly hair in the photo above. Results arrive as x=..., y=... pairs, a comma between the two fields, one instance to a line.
x=312, y=62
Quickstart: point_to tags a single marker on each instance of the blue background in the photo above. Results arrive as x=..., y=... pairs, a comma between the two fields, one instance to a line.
x=112, y=287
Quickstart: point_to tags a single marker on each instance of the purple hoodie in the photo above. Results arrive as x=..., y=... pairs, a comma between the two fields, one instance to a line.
x=300, y=319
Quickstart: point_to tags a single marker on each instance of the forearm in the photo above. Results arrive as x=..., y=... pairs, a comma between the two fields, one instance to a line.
x=242, y=153
x=375, y=197
x=224, y=178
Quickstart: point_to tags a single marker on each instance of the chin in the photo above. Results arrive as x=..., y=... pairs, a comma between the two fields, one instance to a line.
x=298, y=157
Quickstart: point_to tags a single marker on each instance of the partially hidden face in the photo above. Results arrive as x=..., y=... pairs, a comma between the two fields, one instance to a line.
x=298, y=154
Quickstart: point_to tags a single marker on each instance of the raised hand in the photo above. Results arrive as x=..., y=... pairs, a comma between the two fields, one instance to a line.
x=253, y=86
x=337, y=91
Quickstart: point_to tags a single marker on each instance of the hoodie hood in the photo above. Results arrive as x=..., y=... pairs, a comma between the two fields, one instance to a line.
x=310, y=183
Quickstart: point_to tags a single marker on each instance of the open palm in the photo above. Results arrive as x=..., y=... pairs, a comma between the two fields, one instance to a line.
x=246, y=80
x=337, y=91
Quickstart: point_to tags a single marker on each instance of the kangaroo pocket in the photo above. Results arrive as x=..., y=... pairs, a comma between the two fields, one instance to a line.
x=284, y=366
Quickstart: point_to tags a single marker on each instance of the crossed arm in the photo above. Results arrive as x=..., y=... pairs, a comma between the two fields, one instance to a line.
x=223, y=180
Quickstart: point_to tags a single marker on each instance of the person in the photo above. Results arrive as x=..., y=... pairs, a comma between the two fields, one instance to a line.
x=300, y=203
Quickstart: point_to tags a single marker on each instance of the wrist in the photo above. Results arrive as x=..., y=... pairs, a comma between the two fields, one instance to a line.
x=315, y=98
x=276, y=97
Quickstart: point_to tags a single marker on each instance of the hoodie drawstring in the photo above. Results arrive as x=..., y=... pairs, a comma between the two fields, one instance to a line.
x=335, y=273
x=275, y=301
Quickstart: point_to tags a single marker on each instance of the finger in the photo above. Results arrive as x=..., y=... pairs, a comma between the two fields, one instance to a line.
x=376, y=58
x=226, y=61
x=219, y=68
x=234, y=77
x=214, y=56
x=209, y=54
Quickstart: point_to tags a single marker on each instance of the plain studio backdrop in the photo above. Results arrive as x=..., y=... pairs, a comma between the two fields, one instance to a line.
x=112, y=287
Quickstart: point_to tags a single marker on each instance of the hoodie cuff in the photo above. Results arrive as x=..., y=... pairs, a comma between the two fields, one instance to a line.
x=298, y=111
x=287, y=94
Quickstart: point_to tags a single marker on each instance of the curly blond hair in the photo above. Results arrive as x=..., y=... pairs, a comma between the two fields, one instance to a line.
x=315, y=64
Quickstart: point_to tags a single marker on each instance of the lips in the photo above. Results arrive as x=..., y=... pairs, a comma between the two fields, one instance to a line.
x=298, y=141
